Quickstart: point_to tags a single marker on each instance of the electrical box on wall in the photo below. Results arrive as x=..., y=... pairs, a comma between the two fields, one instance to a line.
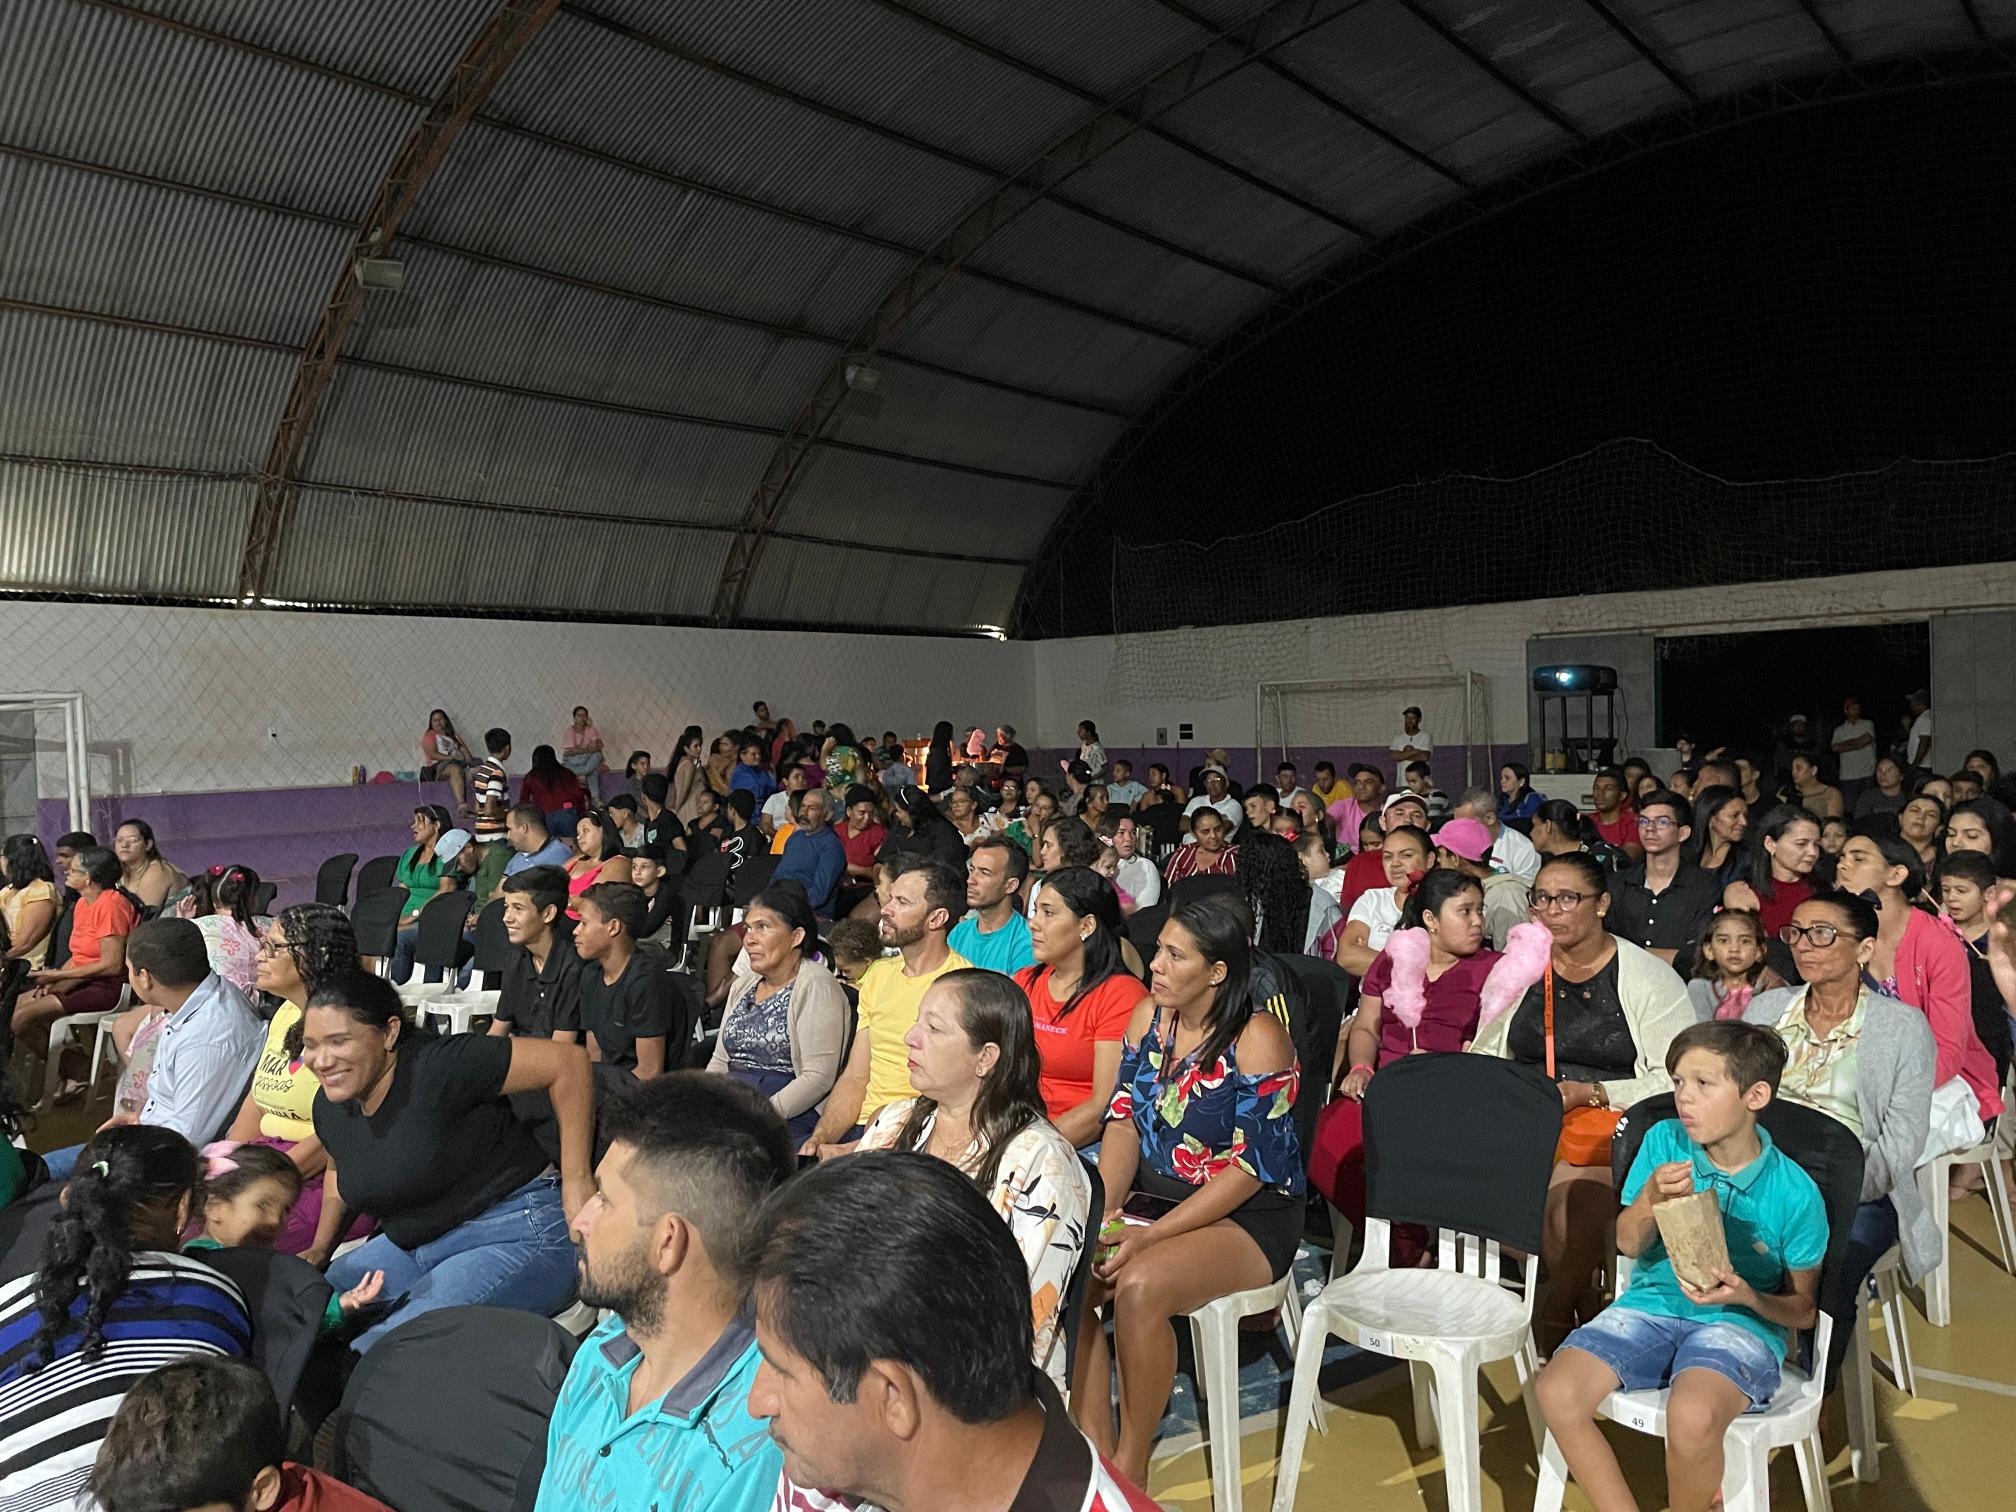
x=1161, y=735
x=1184, y=732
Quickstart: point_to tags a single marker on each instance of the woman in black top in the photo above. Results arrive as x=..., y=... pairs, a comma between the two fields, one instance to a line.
x=938, y=762
x=921, y=830
x=420, y=1134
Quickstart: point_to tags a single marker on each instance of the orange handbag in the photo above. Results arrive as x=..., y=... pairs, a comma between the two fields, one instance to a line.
x=1585, y=1132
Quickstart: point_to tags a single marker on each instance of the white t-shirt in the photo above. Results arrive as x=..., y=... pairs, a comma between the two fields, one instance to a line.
x=1143, y=883
x=1859, y=763
x=1377, y=911
x=1228, y=806
x=1514, y=852
x=1421, y=741
x=1921, y=729
x=776, y=810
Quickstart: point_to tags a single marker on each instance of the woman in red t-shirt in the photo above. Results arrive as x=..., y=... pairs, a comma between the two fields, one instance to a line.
x=1080, y=998
x=1449, y=905
x=1787, y=844
x=100, y=920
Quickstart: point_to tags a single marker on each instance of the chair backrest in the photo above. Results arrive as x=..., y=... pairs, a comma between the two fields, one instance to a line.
x=1462, y=1142
x=492, y=944
x=750, y=878
x=439, y=928
x=1164, y=823
x=263, y=896
x=376, y=920
x=13, y=981
x=375, y=875
x=1192, y=888
x=448, y=1413
x=1074, y=1291
x=286, y=1298
x=1325, y=988
x=1144, y=928
x=706, y=881
x=332, y=879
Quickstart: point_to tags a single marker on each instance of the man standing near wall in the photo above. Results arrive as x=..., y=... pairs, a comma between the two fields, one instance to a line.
x=1918, y=744
x=1854, y=746
x=1412, y=743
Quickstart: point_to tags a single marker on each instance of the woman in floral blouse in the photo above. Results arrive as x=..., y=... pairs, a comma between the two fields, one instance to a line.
x=973, y=1062
x=1201, y=1132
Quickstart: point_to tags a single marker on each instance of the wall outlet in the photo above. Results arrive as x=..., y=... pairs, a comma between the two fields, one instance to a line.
x=272, y=732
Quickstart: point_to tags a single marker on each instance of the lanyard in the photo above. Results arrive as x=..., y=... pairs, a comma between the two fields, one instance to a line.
x=1550, y=1022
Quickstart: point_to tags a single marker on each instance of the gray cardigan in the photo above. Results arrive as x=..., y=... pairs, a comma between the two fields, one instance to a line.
x=1894, y=1061
x=817, y=1022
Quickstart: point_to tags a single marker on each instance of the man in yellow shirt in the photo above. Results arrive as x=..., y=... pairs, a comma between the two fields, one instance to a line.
x=1327, y=788
x=926, y=898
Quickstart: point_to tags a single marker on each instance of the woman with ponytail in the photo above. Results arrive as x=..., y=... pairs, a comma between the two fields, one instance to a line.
x=111, y=1300
x=1081, y=997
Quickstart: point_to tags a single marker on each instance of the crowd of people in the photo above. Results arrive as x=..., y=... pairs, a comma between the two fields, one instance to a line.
x=1019, y=1029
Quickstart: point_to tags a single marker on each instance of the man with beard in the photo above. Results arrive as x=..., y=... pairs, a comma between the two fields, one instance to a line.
x=655, y=1408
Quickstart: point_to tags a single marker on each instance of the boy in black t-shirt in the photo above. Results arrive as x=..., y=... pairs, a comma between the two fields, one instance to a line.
x=626, y=997
x=542, y=976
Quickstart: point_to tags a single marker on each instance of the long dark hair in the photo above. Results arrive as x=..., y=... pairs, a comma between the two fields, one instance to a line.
x=448, y=725
x=1774, y=827
x=1220, y=927
x=146, y=835
x=128, y=1175
x=941, y=737
x=1090, y=896
x=1897, y=851
x=227, y=890
x=610, y=842
x=1708, y=802
x=1440, y=886
x=324, y=946
x=1523, y=774
x=26, y=861
x=2000, y=824
x=690, y=741
x=1277, y=890
x=546, y=764
x=992, y=1011
x=1563, y=817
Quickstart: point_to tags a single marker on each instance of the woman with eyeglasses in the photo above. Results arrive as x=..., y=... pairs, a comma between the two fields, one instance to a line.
x=1866, y=1059
x=1615, y=1009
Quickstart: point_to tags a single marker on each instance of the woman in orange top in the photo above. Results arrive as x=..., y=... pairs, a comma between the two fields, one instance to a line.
x=1081, y=996
x=101, y=919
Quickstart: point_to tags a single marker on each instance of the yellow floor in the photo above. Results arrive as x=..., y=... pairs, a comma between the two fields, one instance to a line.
x=1946, y=1450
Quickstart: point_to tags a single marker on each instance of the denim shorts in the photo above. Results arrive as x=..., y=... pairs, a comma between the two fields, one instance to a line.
x=1647, y=1350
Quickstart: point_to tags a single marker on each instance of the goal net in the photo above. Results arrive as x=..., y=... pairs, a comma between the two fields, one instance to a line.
x=1305, y=721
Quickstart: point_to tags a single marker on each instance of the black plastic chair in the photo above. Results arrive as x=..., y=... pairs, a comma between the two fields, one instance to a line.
x=492, y=945
x=1326, y=988
x=1164, y=824
x=376, y=920
x=375, y=875
x=332, y=879
x=1144, y=928
x=1074, y=1290
x=439, y=941
x=263, y=896
x=750, y=878
x=1192, y=888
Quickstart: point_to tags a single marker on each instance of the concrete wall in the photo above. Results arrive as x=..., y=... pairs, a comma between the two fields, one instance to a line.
x=1973, y=687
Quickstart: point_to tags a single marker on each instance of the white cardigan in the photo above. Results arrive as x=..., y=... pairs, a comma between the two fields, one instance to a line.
x=1656, y=1007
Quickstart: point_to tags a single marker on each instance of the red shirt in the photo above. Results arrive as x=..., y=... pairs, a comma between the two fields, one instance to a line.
x=1363, y=873
x=305, y=1490
x=861, y=848
x=1065, y=1046
x=564, y=791
x=1775, y=912
x=1623, y=831
x=1449, y=1016
x=91, y=922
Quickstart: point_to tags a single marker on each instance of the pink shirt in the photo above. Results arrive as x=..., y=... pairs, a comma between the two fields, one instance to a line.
x=1933, y=977
x=580, y=740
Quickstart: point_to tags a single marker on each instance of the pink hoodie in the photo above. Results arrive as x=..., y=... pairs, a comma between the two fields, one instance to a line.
x=1933, y=977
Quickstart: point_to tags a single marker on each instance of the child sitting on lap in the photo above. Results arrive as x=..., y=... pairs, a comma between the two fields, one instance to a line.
x=1720, y=1350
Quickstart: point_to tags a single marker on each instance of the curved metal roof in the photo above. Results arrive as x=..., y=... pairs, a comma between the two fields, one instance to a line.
x=643, y=244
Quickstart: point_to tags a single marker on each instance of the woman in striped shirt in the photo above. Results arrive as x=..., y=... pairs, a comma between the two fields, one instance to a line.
x=112, y=1300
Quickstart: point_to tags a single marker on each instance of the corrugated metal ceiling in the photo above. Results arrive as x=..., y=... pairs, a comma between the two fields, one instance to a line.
x=667, y=223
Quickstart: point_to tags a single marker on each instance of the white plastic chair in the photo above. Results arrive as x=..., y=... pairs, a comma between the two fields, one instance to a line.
x=1933, y=1177
x=415, y=994
x=1858, y=1387
x=461, y=1009
x=1214, y=1339
x=1792, y=1421
x=578, y=1318
x=1451, y=1321
x=72, y=1026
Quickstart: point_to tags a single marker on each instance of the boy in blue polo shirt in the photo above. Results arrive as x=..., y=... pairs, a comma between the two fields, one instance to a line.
x=1719, y=1351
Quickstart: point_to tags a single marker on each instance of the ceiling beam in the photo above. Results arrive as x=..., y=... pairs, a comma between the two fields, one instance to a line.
x=1484, y=65
x=1644, y=49
x=1974, y=20
x=1827, y=33
x=1279, y=24
x=491, y=52
x=678, y=181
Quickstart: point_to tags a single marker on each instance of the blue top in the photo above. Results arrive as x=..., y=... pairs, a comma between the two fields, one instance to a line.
x=754, y=780
x=696, y=1448
x=1007, y=950
x=1129, y=792
x=1197, y=1121
x=818, y=861
x=1525, y=808
x=1772, y=1216
x=552, y=853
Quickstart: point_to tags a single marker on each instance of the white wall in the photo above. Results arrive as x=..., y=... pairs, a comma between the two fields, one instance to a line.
x=179, y=700
x=1134, y=683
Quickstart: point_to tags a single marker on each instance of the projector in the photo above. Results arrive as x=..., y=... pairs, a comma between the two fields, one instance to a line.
x=1575, y=678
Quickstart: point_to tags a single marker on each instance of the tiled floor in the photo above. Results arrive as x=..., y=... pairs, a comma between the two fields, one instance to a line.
x=1946, y=1450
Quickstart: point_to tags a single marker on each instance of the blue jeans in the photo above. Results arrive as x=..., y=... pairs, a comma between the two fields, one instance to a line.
x=62, y=1162
x=516, y=1254
x=1647, y=1350
x=401, y=968
x=1847, y=1293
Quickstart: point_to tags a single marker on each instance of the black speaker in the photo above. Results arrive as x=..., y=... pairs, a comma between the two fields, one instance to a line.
x=1574, y=679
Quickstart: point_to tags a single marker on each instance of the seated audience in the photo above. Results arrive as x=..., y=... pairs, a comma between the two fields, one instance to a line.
x=419, y=1133
x=785, y=1027
x=1786, y=847
x=99, y=922
x=531, y=844
x=978, y=1108
x=1517, y=802
x=541, y=996
x=220, y=903
x=1217, y=795
x=30, y=901
x=629, y=821
x=995, y=933
x=926, y=896
x=1720, y=829
x=206, y=1433
x=203, y=1049
x=1614, y=820
x=1289, y=916
x=964, y=814
x=1729, y=966
x=854, y=945
x=444, y=758
x=775, y=811
x=111, y=1300
x=1205, y=853
x=551, y=787
x=893, y=1310
x=661, y=826
x=1324, y=875
x=1121, y=789
x=1984, y=825
x=921, y=830
x=1869, y=1061
x=1081, y=999
x=626, y=1000
x=1464, y=845
x=1510, y=849
x=750, y=775
x=1717, y=1351
x=1037, y=815
x=1922, y=824
x=1367, y=795
x=1811, y=791
x=815, y=857
x=598, y=853
x=1964, y=883
x=1448, y=907
x=306, y=945
x=1136, y=874
x=1068, y=841
x=1887, y=794
x=650, y=876
x=422, y=871
x=1201, y=1125
x=1599, y=1023
x=1661, y=903
x=153, y=882
x=581, y=746
x=658, y=1395
x=1407, y=854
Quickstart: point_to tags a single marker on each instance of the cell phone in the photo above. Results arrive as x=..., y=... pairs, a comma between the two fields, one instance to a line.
x=1146, y=1207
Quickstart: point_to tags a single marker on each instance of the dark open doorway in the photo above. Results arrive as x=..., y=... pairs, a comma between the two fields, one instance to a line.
x=1738, y=690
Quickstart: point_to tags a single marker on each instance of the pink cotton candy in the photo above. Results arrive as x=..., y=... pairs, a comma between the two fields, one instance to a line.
x=1734, y=1002
x=1527, y=948
x=1407, y=994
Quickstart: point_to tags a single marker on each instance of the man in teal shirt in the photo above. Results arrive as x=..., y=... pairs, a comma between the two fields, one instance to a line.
x=655, y=1409
x=995, y=936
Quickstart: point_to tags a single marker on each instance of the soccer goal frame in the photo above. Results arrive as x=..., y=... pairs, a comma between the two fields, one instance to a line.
x=1473, y=691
